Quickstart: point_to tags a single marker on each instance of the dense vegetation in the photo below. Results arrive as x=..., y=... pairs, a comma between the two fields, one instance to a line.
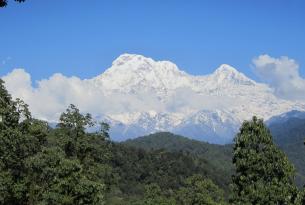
x=37, y=168
x=67, y=165
x=263, y=173
x=216, y=160
x=71, y=166
x=289, y=136
x=169, y=171
x=177, y=143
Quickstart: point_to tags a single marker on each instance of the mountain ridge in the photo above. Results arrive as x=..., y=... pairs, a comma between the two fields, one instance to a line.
x=137, y=96
x=207, y=107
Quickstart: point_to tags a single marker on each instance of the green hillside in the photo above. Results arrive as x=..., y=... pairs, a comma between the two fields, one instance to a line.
x=290, y=136
x=135, y=169
x=217, y=158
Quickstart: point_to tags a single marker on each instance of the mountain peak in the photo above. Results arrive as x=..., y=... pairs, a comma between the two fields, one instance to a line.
x=227, y=69
x=132, y=72
x=127, y=58
x=226, y=72
x=140, y=63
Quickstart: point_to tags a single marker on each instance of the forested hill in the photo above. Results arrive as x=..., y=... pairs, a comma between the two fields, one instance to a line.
x=218, y=155
x=218, y=158
x=173, y=142
x=289, y=136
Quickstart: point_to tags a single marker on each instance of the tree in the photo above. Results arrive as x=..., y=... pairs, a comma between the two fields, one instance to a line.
x=302, y=193
x=21, y=137
x=263, y=173
x=55, y=179
x=79, y=143
x=200, y=191
x=3, y=3
x=73, y=127
x=154, y=196
x=34, y=170
x=91, y=149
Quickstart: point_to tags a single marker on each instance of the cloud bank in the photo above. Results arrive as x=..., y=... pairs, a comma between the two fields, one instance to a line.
x=282, y=74
x=48, y=98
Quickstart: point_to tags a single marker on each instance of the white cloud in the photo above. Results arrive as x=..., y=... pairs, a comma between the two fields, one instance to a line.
x=282, y=74
x=50, y=97
x=47, y=100
x=180, y=101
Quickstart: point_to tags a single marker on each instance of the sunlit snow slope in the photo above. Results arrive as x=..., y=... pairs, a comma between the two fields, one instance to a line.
x=209, y=108
x=138, y=95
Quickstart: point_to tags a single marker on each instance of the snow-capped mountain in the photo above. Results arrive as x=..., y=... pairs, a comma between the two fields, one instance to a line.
x=209, y=107
x=138, y=95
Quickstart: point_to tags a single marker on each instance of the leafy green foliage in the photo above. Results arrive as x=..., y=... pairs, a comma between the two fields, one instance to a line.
x=36, y=166
x=3, y=3
x=89, y=151
x=215, y=160
x=69, y=165
x=200, y=191
x=263, y=173
x=20, y=138
x=137, y=168
x=154, y=195
x=196, y=190
x=289, y=136
x=56, y=180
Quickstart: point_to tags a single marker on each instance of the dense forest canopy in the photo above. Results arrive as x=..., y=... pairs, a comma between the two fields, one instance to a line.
x=68, y=165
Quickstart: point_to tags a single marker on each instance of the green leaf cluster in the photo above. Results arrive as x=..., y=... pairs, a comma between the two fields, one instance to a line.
x=263, y=173
x=40, y=165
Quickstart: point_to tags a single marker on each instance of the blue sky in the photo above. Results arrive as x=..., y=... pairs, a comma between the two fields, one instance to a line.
x=82, y=38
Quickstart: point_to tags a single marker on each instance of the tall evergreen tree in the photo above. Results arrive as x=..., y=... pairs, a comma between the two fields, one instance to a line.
x=263, y=173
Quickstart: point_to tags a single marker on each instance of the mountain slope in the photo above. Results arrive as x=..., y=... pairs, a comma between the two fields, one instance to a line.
x=217, y=157
x=135, y=168
x=137, y=96
x=156, y=96
x=289, y=135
